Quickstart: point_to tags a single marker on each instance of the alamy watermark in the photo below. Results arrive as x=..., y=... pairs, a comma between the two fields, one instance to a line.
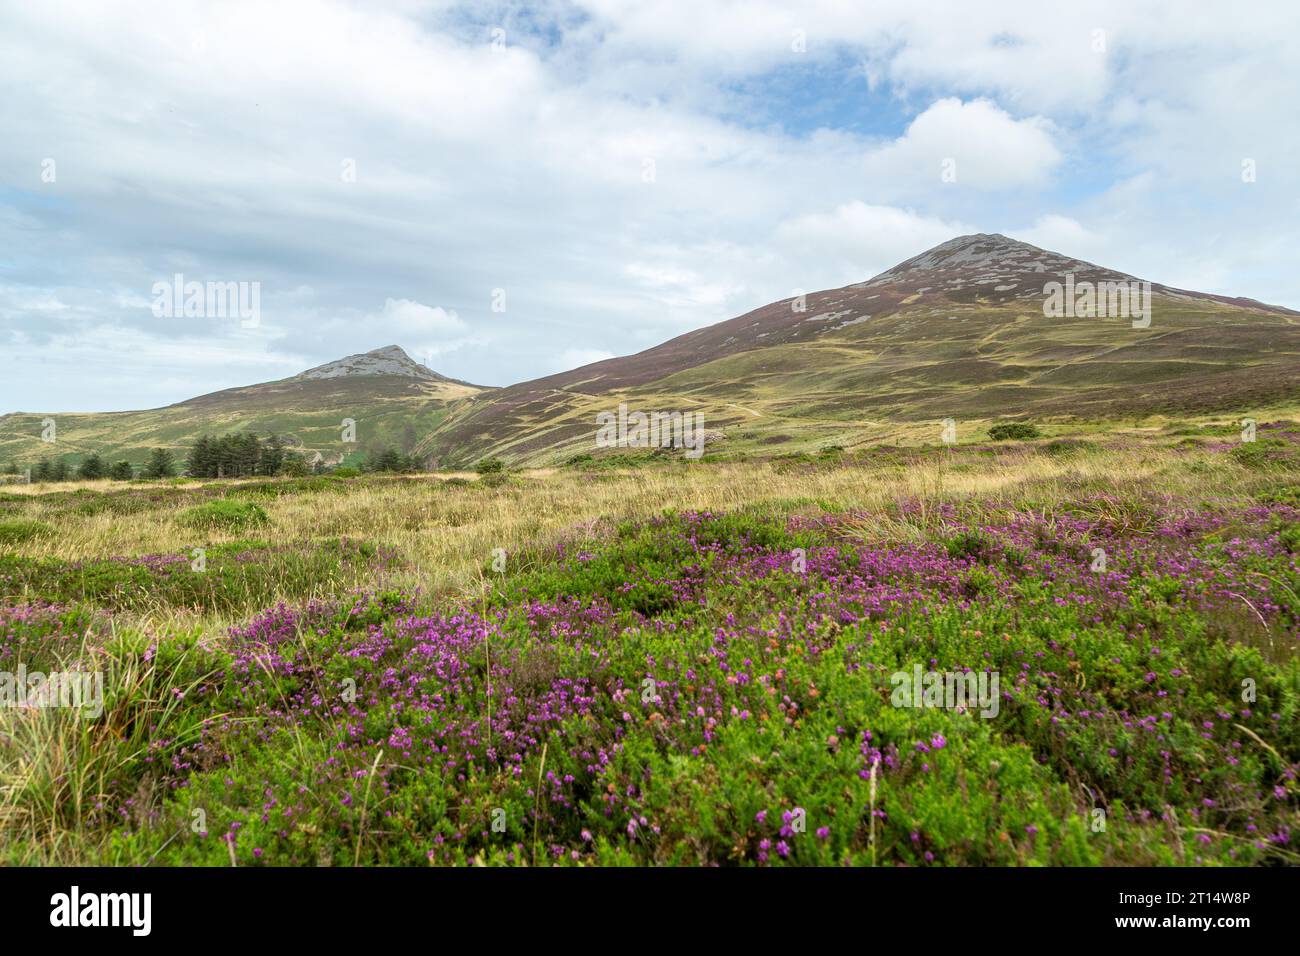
x=212, y=300
x=684, y=430
x=130, y=910
x=78, y=690
x=947, y=690
x=1118, y=299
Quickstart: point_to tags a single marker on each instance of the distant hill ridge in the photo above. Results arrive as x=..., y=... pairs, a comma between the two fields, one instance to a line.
x=394, y=401
x=958, y=331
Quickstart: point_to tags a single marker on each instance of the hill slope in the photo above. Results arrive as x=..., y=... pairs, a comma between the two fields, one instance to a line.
x=958, y=331
x=393, y=399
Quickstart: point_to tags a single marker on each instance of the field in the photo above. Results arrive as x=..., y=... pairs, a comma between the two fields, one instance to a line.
x=645, y=660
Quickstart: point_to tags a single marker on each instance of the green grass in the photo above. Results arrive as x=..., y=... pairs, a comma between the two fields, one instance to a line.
x=17, y=531
x=232, y=577
x=224, y=515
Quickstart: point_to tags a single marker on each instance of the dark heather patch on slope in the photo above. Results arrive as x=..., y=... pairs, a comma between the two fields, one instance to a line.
x=323, y=391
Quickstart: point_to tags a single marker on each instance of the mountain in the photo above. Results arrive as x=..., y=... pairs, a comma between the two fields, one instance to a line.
x=961, y=331
x=389, y=360
x=394, y=400
x=958, y=331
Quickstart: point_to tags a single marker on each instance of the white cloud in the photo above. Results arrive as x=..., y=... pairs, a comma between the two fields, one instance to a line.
x=417, y=319
x=858, y=240
x=977, y=144
x=198, y=140
x=1061, y=233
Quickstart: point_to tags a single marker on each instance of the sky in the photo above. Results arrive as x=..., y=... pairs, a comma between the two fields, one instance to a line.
x=508, y=190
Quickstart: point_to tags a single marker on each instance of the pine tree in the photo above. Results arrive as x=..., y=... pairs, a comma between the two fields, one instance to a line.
x=225, y=465
x=249, y=451
x=121, y=471
x=294, y=465
x=201, y=462
x=272, y=456
x=42, y=470
x=59, y=471
x=161, y=464
x=92, y=468
x=387, y=459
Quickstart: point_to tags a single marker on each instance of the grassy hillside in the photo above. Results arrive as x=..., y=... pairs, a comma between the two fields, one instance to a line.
x=389, y=410
x=893, y=379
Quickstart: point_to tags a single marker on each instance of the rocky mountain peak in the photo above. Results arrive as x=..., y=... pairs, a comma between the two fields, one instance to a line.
x=389, y=360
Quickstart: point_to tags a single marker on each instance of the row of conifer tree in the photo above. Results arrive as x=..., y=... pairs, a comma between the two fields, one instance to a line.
x=161, y=464
x=234, y=455
x=243, y=455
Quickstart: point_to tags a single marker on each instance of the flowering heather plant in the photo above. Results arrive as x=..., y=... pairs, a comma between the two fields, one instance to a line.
x=710, y=688
x=39, y=635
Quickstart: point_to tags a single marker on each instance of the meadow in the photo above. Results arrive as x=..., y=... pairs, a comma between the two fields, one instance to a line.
x=644, y=660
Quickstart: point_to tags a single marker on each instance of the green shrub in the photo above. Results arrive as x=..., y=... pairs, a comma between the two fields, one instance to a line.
x=490, y=466
x=1289, y=538
x=224, y=515
x=278, y=489
x=293, y=466
x=969, y=544
x=1259, y=454
x=391, y=460
x=770, y=700
x=1285, y=495
x=1062, y=447
x=19, y=530
x=1014, y=431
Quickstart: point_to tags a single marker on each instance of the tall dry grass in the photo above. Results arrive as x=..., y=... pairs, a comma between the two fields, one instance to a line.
x=445, y=534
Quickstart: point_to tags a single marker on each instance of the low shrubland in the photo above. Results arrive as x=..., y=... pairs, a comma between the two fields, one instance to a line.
x=693, y=666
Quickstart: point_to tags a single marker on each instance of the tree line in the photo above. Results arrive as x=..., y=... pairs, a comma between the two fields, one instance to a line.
x=243, y=455
x=234, y=455
x=161, y=464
